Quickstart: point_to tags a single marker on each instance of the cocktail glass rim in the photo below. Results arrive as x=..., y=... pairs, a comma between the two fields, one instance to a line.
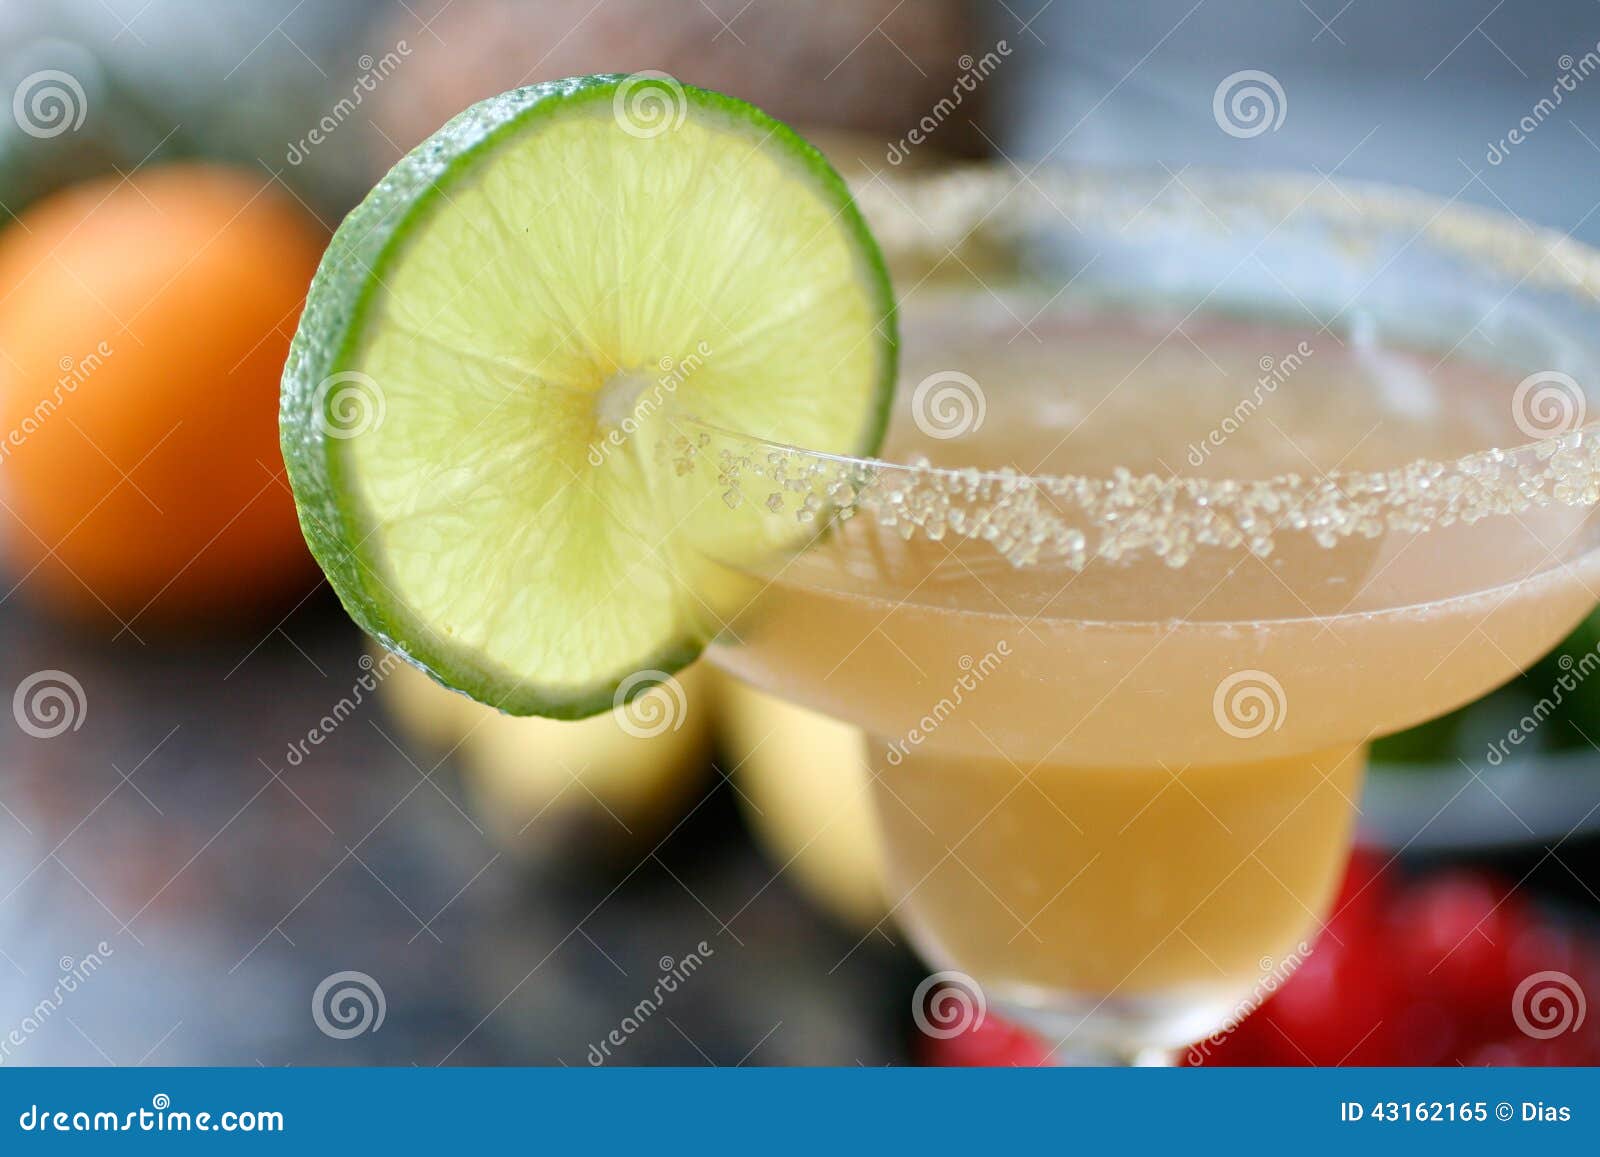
x=898, y=207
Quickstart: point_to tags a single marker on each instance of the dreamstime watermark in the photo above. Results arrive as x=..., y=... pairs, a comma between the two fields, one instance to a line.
x=49, y=703
x=1548, y=404
x=74, y=974
x=1248, y=103
x=1274, y=372
x=1273, y=975
x=673, y=974
x=348, y=1004
x=1573, y=73
x=948, y=404
x=948, y=1004
x=662, y=707
x=48, y=103
x=973, y=73
x=1548, y=1004
x=647, y=104
x=673, y=373
x=349, y=404
x=1249, y=703
x=373, y=71
x=160, y=1117
x=373, y=673
x=74, y=372
x=973, y=673
x=1573, y=673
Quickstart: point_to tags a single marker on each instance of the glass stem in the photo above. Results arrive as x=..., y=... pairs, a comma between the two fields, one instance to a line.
x=1077, y=1058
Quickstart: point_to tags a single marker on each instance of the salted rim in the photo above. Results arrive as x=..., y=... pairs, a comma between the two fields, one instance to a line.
x=1173, y=514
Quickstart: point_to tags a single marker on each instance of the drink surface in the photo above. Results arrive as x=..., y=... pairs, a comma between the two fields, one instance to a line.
x=1366, y=636
x=1133, y=781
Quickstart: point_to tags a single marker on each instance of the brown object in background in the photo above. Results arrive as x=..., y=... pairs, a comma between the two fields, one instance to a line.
x=145, y=322
x=874, y=67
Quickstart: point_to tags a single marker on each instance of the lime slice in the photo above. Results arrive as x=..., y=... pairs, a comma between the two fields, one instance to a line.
x=493, y=352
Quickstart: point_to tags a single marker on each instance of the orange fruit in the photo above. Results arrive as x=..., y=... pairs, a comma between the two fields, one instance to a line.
x=144, y=324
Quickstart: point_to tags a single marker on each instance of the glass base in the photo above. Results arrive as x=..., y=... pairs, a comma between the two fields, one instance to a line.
x=1117, y=1030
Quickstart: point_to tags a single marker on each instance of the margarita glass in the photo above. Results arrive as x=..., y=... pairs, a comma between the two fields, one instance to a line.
x=1193, y=487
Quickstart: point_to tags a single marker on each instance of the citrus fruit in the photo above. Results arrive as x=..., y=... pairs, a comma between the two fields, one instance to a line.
x=144, y=323
x=495, y=346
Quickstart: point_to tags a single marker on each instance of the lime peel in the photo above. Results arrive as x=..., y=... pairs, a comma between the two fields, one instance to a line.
x=499, y=306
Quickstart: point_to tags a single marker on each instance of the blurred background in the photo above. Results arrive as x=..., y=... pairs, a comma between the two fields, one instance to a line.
x=231, y=833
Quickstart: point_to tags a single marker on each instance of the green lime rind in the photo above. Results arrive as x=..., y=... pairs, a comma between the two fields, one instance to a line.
x=370, y=241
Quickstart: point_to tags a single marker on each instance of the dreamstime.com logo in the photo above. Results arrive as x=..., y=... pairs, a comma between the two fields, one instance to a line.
x=1248, y=103
x=74, y=975
x=373, y=72
x=973, y=673
x=49, y=703
x=1548, y=404
x=349, y=404
x=948, y=404
x=647, y=104
x=160, y=1117
x=974, y=71
x=348, y=1004
x=1273, y=975
x=366, y=684
x=1548, y=1004
x=661, y=708
x=1249, y=703
x=1573, y=673
x=74, y=372
x=48, y=103
x=673, y=373
x=948, y=1004
x=1573, y=73
x=674, y=974
x=1274, y=372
